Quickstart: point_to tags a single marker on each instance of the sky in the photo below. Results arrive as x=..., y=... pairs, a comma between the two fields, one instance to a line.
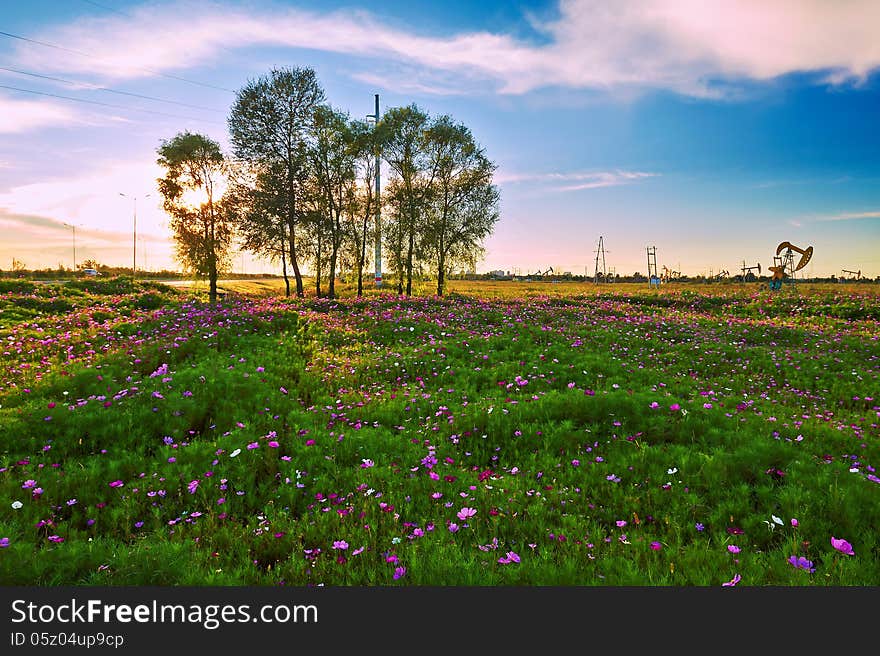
x=713, y=131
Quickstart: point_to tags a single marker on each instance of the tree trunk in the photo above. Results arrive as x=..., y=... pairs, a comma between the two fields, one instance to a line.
x=409, y=261
x=331, y=292
x=291, y=226
x=318, y=267
x=284, y=270
x=441, y=278
x=363, y=255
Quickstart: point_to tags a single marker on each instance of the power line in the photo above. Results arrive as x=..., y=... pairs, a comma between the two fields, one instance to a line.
x=85, y=54
x=97, y=87
x=102, y=104
x=98, y=4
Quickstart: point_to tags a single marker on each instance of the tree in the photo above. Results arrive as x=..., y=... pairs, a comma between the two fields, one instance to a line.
x=463, y=203
x=332, y=158
x=203, y=234
x=402, y=137
x=270, y=126
x=360, y=201
x=256, y=200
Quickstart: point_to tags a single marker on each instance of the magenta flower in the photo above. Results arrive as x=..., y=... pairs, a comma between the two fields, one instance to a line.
x=57, y=539
x=399, y=572
x=453, y=527
x=340, y=544
x=466, y=513
x=732, y=548
x=193, y=486
x=732, y=582
x=675, y=407
x=802, y=563
x=654, y=405
x=116, y=484
x=253, y=445
x=273, y=444
x=842, y=546
x=656, y=546
x=28, y=484
x=511, y=557
x=4, y=542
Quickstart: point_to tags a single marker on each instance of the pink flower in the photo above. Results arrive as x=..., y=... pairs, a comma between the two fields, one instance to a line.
x=453, y=527
x=340, y=544
x=656, y=546
x=253, y=445
x=274, y=444
x=399, y=572
x=842, y=546
x=675, y=407
x=116, y=484
x=732, y=582
x=654, y=405
x=466, y=513
x=794, y=522
x=732, y=548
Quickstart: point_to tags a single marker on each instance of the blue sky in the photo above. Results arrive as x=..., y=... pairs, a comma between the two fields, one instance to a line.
x=713, y=136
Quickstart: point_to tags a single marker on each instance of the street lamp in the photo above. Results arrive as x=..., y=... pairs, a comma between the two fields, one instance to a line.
x=73, y=227
x=375, y=121
x=134, y=235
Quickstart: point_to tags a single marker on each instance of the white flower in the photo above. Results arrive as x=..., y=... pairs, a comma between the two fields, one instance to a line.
x=672, y=470
x=776, y=520
x=16, y=505
x=235, y=453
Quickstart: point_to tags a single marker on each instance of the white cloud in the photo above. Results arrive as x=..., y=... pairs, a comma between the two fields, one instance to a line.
x=574, y=181
x=674, y=44
x=27, y=115
x=851, y=216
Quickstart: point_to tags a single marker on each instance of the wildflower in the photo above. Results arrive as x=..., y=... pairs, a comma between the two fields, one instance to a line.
x=842, y=546
x=654, y=405
x=399, y=572
x=794, y=522
x=193, y=486
x=466, y=513
x=28, y=484
x=273, y=444
x=675, y=407
x=620, y=523
x=453, y=527
x=699, y=526
x=235, y=453
x=802, y=563
x=366, y=463
x=732, y=582
x=732, y=548
x=4, y=542
x=16, y=505
x=116, y=484
x=71, y=502
x=253, y=445
x=57, y=539
x=342, y=545
x=656, y=546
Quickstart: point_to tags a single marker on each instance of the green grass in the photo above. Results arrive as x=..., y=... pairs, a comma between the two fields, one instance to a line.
x=603, y=435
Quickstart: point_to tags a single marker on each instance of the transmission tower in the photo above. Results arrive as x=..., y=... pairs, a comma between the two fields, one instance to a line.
x=600, y=255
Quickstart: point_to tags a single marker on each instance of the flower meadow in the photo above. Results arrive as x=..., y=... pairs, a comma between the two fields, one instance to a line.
x=612, y=436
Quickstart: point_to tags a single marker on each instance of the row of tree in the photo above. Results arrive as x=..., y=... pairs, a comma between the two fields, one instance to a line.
x=298, y=188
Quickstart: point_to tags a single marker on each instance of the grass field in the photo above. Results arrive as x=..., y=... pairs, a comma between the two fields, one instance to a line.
x=506, y=434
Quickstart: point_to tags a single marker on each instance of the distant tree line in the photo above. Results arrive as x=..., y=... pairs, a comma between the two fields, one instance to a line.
x=298, y=189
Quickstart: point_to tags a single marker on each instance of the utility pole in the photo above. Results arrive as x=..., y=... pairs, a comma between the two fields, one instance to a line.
x=134, y=234
x=73, y=227
x=375, y=118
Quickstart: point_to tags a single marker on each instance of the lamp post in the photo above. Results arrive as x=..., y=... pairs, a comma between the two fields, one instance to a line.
x=375, y=118
x=134, y=234
x=73, y=227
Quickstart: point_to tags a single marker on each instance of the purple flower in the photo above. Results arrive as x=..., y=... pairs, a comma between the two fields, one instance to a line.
x=732, y=548
x=699, y=526
x=28, y=484
x=656, y=546
x=342, y=545
x=399, y=572
x=732, y=582
x=466, y=513
x=453, y=527
x=193, y=486
x=253, y=445
x=675, y=407
x=842, y=546
x=4, y=542
x=57, y=539
x=115, y=484
x=802, y=563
